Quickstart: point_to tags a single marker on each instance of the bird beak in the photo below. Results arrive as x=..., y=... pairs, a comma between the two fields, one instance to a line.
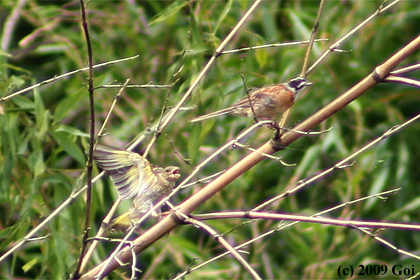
x=175, y=173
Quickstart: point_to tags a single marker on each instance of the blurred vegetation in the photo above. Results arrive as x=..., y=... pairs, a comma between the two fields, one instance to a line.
x=44, y=132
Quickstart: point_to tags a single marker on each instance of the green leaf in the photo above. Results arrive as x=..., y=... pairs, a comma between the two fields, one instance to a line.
x=299, y=26
x=171, y=10
x=261, y=55
x=223, y=15
x=16, y=81
x=71, y=130
x=68, y=104
x=194, y=142
x=63, y=140
x=39, y=108
x=3, y=53
x=26, y=267
x=36, y=159
x=378, y=185
x=23, y=102
x=41, y=115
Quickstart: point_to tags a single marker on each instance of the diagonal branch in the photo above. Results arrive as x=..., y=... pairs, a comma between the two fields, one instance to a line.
x=172, y=221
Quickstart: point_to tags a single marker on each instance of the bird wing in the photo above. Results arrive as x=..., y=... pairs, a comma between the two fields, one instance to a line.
x=129, y=171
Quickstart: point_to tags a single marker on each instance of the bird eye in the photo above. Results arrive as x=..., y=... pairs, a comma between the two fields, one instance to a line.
x=172, y=170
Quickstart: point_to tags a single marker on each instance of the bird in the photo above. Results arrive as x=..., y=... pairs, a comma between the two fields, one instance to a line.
x=264, y=103
x=134, y=176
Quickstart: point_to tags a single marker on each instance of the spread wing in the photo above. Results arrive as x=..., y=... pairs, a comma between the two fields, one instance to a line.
x=129, y=171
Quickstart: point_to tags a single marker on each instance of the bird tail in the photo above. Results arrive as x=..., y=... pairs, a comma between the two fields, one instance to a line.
x=213, y=114
x=121, y=223
x=126, y=221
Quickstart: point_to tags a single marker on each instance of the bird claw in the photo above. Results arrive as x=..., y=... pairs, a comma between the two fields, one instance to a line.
x=275, y=126
x=275, y=142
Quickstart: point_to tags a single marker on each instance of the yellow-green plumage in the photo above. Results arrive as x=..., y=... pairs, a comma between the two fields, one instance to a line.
x=135, y=177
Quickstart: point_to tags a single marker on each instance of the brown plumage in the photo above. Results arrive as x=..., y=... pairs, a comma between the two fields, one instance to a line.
x=266, y=102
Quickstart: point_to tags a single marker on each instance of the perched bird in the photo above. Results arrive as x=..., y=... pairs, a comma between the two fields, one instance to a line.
x=264, y=103
x=135, y=177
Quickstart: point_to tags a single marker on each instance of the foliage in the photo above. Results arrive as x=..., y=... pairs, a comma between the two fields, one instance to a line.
x=44, y=132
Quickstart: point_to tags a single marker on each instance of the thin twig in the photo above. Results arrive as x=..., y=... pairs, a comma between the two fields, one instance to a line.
x=56, y=78
x=106, y=265
x=335, y=45
x=303, y=72
x=388, y=244
x=264, y=155
x=209, y=64
x=113, y=257
x=270, y=232
x=219, y=238
x=204, y=180
x=91, y=141
x=312, y=39
x=135, y=86
x=406, y=69
x=105, y=223
x=108, y=115
x=246, y=163
x=339, y=165
x=160, y=127
x=311, y=219
x=270, y=46
x=402, y=80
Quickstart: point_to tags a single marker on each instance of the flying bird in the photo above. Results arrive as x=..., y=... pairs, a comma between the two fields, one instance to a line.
x=134, y=176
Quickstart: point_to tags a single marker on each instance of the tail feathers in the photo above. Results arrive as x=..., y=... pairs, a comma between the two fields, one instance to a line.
x=213, y=114
x=125, y=221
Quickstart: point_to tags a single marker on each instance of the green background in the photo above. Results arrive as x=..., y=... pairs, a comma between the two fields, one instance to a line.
x=44, y=132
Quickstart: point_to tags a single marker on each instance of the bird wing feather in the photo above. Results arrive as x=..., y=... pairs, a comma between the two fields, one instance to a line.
x=129, y=171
